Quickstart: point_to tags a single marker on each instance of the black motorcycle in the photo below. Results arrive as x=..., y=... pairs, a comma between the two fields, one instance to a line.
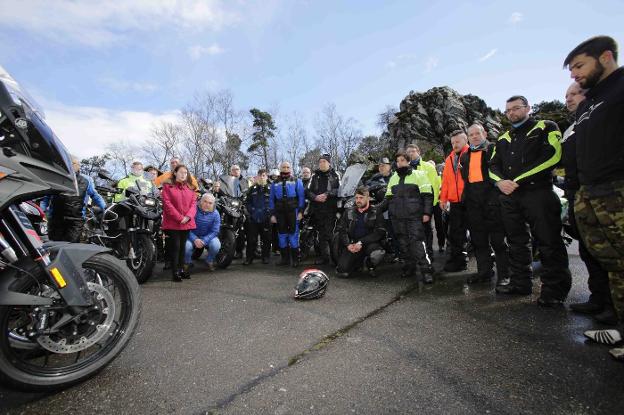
x=128, y=227
x=66, y=310
x=229, y=204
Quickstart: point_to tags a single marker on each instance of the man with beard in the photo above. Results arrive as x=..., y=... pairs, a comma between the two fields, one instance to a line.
x=599, y=303
x=521, y=166
x=483, y=216
x=286, y=203
x=410, y=203
x=306, y=175
x=66, y=213
x=451, y=203
x=322, y=193
x=258, y=221
x=360, y=230
x=599, y=203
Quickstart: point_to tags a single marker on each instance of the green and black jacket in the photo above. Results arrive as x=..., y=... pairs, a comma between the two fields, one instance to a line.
x=527, y=154
x=410, y=194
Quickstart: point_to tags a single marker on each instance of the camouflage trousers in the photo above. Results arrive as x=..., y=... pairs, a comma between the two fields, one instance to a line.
x=599, y=211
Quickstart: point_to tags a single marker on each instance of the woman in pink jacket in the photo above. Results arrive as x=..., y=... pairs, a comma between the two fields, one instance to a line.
x=179, y=206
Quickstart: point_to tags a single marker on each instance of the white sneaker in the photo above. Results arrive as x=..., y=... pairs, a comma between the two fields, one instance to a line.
x=604, y=336
x=618, y=353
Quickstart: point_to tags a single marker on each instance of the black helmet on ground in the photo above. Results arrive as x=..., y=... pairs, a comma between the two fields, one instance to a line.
x=312, y=284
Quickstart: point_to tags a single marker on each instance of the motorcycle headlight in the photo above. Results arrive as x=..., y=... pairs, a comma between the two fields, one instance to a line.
x=149, y=202
x=235, y=203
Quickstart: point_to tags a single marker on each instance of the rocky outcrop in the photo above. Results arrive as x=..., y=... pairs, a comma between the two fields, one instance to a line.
x=428, y=118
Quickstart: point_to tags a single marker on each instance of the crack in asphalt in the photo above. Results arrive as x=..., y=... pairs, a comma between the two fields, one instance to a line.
x=319, y=345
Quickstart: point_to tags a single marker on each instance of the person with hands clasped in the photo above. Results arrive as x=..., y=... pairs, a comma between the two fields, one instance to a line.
x=179, y=208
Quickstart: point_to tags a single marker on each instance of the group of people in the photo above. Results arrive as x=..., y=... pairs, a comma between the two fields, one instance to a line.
x=499, y=196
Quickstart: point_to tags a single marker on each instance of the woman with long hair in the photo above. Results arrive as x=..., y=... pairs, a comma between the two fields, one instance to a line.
x=179, y=207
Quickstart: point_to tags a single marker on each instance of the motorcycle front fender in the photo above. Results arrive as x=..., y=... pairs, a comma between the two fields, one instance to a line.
x=68, y=260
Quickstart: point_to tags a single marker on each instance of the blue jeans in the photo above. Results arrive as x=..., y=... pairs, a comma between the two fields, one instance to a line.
x=213, y=249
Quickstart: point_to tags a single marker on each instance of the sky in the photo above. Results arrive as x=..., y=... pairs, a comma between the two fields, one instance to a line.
x=106, y=71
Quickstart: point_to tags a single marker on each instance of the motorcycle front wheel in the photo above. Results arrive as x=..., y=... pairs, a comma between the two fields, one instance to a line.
x=144, y=259
x=93, y=337
x=228, y=248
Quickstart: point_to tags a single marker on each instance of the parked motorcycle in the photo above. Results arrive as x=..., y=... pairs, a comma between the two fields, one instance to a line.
x=66, y=310
x=128, y=227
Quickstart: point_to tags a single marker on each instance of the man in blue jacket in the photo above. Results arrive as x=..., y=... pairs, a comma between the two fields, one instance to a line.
x=206, y=234
x=286, y=201
x=66, y=213
x=258, y=219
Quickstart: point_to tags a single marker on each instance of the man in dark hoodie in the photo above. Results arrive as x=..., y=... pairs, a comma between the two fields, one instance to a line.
x=483, y=216
x=322, y=193
x=410, y=203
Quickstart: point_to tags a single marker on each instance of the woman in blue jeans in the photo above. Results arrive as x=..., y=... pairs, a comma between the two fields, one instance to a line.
x=206, y=233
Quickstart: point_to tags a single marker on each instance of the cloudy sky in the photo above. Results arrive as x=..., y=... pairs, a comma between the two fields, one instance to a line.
x=107, y=70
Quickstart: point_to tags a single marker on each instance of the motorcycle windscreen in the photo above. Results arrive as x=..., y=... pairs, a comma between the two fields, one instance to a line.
x=228, y=185
x=351, y=180
x=42, y=144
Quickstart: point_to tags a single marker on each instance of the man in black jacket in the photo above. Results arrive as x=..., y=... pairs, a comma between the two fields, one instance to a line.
x=483, y=215
x=410, y=203
x=599, y=203
x=322, y=192
x=259, y=218
x=360, y=231
x=521, y=166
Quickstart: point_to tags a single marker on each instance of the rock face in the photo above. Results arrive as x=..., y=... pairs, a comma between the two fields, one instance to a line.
x=428, y=118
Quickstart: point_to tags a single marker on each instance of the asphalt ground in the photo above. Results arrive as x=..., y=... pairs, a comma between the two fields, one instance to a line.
x=234, y=341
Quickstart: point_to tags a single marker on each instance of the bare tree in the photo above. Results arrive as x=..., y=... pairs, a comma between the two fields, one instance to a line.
x=383, y=118
x=163, y=145
x=336, y=135
x=121, y=154
x=296, y=139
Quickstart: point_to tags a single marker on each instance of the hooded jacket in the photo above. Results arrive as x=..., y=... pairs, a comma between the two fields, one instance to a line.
x=410, y=194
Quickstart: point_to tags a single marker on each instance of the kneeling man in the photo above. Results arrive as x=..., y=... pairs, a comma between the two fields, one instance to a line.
x=360, y=231
x=206, y=235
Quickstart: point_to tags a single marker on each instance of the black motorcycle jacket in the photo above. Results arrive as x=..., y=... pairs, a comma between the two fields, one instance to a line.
x=527, y=154
x=324, y=182
x=599, y=132
x=371, y=225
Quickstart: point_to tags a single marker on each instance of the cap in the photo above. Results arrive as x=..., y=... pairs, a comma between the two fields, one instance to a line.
x=325, y=156
x=384, y=160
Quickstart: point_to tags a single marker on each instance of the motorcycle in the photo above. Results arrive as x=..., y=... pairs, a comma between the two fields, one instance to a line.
x=230, y=207
x=66, y=310
x=128, y=228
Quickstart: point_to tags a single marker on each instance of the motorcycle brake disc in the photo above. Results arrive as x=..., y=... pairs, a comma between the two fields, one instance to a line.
x=105, y=300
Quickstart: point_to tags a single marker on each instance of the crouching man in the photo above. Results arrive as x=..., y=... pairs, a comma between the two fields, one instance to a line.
x=360, y=231
x=206, y=234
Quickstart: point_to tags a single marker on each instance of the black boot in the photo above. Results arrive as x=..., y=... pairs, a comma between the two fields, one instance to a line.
x=285, y=260
x=184, y=273
x=175, y=276
x=294, y=257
